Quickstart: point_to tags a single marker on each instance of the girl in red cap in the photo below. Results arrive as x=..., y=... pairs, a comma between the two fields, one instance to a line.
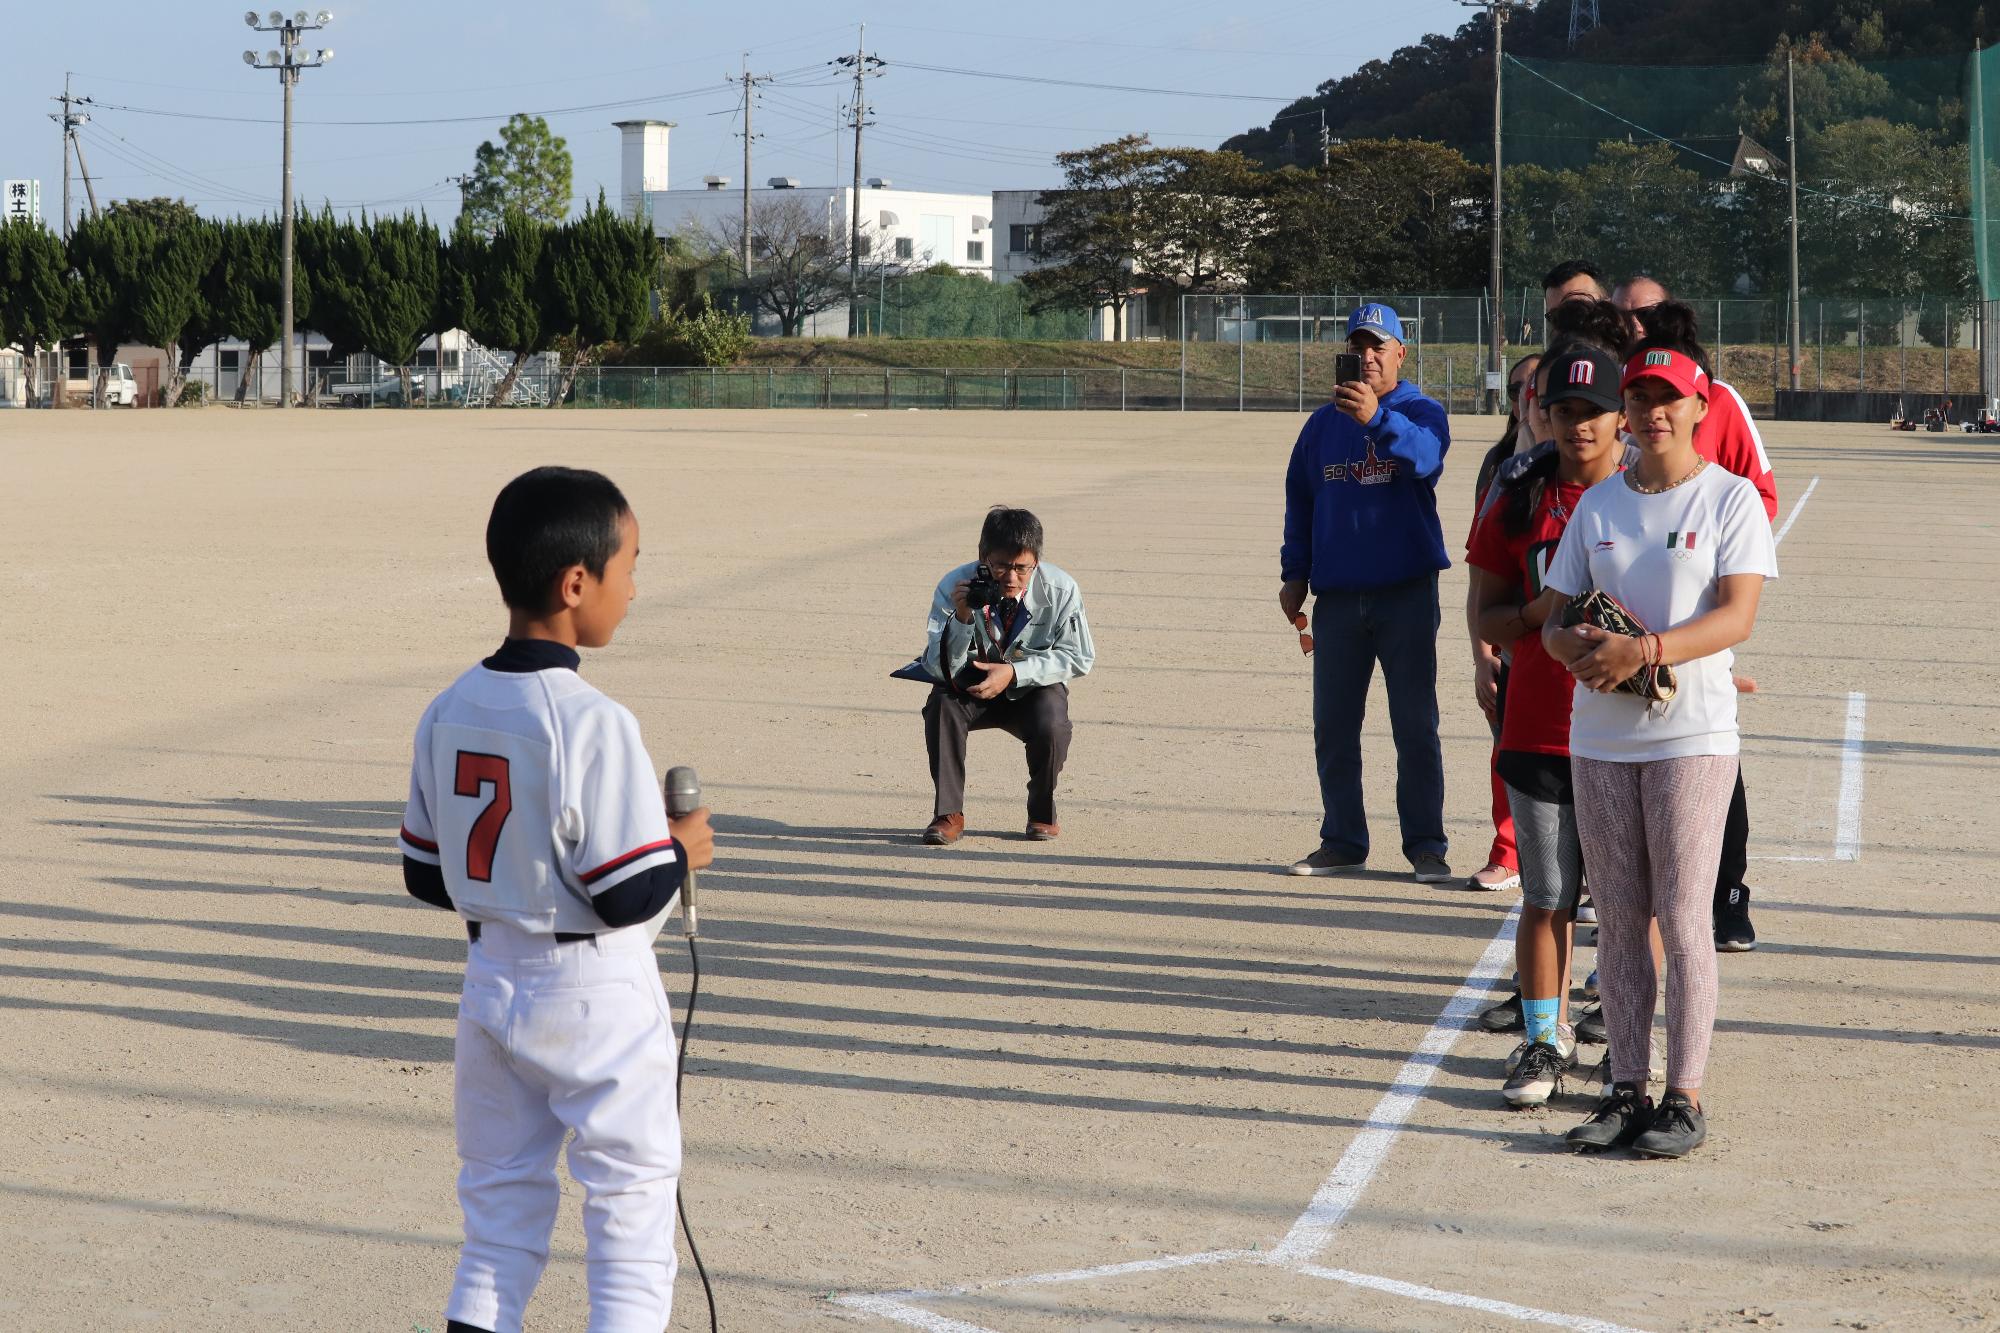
x=1686, y=547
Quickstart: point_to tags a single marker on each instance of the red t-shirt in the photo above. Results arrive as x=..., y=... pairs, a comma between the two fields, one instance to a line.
x=1539, y=688
x=1728, y=437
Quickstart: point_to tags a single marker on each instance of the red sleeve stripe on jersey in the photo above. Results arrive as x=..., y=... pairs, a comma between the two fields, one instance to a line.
x=619, y=862
x=420, y=844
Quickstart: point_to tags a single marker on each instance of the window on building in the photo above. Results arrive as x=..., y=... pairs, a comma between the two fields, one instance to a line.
x=1024, y=238
x=905, y=248
x=229, y=360
x=975, y=252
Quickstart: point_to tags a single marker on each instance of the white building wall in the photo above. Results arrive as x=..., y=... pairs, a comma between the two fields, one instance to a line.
x=642, y=152
x=911, y=228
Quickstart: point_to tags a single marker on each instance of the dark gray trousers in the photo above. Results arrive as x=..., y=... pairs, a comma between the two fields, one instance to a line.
x=1039, y=718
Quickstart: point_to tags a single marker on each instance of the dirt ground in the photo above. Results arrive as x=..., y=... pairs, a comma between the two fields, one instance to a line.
x=225, y=1080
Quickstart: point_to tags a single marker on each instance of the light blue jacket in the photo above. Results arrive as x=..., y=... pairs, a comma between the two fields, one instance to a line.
x=1052, y=648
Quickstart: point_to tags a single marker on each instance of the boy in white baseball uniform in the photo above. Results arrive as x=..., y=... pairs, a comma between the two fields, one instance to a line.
x=535, y=813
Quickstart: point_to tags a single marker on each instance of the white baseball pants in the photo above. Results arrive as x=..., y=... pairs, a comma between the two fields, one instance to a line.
x=553, y=1039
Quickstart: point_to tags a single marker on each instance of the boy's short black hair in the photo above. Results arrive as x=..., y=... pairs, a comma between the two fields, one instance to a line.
x=543, y=522
x=1010, y=530
x=1571, y=269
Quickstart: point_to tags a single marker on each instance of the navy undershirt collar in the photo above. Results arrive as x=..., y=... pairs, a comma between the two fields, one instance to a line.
x=523, y=655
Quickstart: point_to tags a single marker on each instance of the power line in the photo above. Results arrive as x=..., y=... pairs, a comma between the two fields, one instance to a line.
x=1095, y=87
x=418, y=120
x=1856, y=200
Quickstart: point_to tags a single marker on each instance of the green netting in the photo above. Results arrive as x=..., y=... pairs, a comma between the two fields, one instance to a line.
x=1682, y=171
x=1983, y=102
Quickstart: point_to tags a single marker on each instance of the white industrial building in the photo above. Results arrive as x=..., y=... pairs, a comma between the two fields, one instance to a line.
x=994, y=235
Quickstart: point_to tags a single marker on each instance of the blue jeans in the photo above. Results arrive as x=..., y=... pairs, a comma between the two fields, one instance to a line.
x=1352, y=630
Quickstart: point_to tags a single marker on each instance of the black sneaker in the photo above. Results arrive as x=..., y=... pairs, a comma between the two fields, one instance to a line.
x=1621, y=1116
x=1504, y=1016
x=1733, y=931
x=1590, y=1025
x=1678, y=1129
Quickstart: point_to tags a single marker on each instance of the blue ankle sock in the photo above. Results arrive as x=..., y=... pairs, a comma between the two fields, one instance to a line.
x=1540, y=1016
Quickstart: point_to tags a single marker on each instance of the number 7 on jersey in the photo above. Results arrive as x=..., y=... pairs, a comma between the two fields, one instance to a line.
x=476, y=771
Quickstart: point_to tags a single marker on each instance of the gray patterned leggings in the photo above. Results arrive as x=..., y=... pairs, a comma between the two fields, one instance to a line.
x=1652, y=836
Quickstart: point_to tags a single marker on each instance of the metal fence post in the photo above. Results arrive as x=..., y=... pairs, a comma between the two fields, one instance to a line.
x=1300, y=334
x=1184, y=302
x=1947, y=348
x=1242, y=314
x=1121, y=388
x=770, y=376
x=1861, y=338
x=1420, y=343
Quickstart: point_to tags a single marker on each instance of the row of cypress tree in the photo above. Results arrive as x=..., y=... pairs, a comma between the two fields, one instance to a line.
x=161, y=275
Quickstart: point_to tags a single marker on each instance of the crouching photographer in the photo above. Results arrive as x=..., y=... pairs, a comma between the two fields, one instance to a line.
x=1007, y=633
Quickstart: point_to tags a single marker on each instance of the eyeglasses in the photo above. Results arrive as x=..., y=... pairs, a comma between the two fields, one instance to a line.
x=1304, y=627
x=1024, y=570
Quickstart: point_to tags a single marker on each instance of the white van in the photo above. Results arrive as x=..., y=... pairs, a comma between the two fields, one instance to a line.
x=120, y=388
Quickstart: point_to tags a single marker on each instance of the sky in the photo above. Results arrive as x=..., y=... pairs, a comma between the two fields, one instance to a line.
x=179, y=114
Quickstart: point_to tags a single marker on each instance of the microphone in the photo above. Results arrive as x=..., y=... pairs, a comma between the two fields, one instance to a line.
x=683, y=788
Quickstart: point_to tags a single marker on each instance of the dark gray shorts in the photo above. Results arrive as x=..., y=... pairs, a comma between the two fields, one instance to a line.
x=1551, y=853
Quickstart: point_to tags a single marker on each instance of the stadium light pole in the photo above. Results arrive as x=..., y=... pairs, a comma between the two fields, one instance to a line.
x=1497, y=10
x=288, y=60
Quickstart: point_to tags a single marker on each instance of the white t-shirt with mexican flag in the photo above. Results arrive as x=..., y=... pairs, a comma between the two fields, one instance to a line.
x=1661, y=556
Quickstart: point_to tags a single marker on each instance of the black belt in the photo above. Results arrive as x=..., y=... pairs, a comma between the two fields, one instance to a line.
x=562, y=936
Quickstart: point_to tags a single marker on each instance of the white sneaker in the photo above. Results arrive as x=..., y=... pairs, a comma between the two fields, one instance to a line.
x=1586, y=913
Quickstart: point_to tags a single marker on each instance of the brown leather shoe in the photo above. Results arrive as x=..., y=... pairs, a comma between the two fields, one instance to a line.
x=1043, y=832
x=944, y=830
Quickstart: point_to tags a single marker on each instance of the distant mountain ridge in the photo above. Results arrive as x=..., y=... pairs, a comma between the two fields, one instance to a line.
x=1441, y=89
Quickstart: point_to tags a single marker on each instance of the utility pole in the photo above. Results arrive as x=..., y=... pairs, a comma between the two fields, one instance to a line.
x=288, y=60
x=863, y=64
x=750, y=82
x=1498, y=10
x=69, y=120
x=1792, y=180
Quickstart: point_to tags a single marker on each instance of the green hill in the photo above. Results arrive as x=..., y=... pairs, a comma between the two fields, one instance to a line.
x=1441, y=88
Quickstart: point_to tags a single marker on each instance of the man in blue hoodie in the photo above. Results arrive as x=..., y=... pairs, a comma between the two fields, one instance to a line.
x=1362, y=535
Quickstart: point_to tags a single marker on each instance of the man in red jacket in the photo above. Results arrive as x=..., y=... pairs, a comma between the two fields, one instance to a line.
x=1728, y=437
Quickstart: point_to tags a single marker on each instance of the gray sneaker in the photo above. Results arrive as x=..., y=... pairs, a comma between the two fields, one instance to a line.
x=1429, y=868
x=1326, y=861
x=1537, y=1077
x=1565, y=1044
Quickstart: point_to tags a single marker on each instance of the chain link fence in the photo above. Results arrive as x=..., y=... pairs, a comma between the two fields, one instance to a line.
x=1219, y=353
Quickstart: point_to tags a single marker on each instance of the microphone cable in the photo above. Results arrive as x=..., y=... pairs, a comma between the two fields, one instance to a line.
x=680, y=1074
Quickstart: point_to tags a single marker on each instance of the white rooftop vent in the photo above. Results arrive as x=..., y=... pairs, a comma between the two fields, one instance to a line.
x=979, y=224
x=716, y=182
x=878, y=182
x=889, y=219
x=784, y=182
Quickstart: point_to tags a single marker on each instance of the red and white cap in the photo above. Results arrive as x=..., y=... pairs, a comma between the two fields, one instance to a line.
x=1683, y=372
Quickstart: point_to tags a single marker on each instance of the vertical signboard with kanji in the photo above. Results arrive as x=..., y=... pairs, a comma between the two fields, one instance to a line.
x=20, y=201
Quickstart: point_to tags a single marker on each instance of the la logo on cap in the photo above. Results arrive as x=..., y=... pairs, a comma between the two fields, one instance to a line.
x=1374, y=315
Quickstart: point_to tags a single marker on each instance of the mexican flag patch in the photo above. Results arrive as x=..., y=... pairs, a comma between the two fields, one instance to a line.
x=1680, y=541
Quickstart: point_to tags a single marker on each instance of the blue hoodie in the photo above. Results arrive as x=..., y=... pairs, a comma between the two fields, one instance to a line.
x=1361, y=503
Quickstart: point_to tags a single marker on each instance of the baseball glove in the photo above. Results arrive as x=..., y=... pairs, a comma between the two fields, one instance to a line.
x=1654, y=684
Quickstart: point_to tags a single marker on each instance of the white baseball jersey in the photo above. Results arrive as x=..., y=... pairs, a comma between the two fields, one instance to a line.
x=532, y=792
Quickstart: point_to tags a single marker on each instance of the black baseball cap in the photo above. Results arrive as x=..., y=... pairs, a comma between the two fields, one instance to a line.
x=1584, y=372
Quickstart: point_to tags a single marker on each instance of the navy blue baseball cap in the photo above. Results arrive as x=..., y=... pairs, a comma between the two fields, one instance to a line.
x=1376, y=320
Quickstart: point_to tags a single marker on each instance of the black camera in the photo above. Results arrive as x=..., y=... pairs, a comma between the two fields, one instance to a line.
x=984, y=590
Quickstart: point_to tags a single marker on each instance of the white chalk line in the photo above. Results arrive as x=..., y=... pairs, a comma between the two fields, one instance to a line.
x=1793, y=517
x=1356, y=1169
x=1508, y=1309
x=1847, y=835
x=899, y=1307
